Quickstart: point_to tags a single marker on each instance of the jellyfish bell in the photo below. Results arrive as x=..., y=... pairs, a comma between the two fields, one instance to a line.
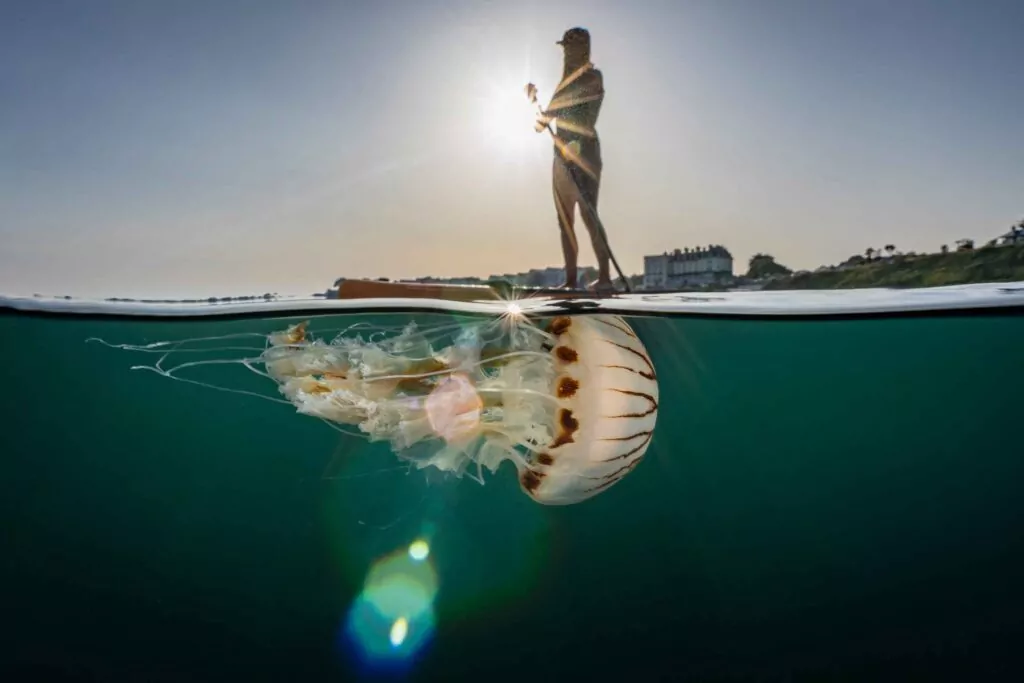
x=571, y=401
x=607, y=395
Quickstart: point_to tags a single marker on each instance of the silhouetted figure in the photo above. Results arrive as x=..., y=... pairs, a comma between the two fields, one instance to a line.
x=576, y=172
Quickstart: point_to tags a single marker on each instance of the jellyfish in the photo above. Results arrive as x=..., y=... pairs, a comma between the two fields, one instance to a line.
x=571, y=401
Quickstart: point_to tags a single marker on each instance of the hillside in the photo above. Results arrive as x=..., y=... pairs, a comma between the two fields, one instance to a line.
x=987, y=264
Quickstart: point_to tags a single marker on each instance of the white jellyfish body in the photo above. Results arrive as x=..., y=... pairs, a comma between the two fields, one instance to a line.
x=573, y=407
x=572, y=402
x=607, y=393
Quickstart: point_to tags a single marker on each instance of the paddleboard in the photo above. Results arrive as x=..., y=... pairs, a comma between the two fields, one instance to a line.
x=498, y=291
x=987, y=299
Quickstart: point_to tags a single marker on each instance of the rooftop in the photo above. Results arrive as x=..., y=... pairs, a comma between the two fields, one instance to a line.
x=700, y=252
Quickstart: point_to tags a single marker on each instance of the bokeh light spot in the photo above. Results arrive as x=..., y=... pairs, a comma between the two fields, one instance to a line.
x=399, y=630
x=393, y=618
x=419, y=550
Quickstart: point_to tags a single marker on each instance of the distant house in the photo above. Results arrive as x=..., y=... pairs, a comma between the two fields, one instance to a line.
x=687, y=268
x=1011, y=238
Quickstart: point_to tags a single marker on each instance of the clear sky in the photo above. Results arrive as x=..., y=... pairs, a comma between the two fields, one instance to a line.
x=202, y=147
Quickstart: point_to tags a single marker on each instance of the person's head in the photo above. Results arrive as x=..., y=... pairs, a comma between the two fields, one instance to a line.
x=576, y=46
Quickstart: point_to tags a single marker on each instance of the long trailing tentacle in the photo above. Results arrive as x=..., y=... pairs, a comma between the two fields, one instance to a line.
x=505, y=357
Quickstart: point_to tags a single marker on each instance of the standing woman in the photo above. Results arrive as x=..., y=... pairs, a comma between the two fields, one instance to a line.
x=576, y=173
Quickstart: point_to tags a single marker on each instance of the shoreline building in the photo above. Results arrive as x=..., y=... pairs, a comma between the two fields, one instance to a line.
x=688, y=267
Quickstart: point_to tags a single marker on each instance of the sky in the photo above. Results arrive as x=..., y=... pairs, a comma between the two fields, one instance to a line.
x=219, y=147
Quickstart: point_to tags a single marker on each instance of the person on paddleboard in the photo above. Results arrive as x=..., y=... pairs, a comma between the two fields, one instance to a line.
x=576, y=172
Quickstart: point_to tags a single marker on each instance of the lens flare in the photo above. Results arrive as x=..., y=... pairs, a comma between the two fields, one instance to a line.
x=393, y=618
x=419, y=550
x=399, y=630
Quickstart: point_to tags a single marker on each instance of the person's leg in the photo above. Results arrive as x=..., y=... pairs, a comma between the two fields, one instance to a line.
x=589, y=190
x=566, y=193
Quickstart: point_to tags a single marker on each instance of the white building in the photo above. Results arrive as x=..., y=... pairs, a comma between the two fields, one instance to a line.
x=687, y=268
x=1012, y=238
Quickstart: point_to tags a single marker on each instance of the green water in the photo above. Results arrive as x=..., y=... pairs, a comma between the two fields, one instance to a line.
x=822, y=501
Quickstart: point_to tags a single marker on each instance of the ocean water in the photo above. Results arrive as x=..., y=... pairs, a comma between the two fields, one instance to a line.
x=822, y=500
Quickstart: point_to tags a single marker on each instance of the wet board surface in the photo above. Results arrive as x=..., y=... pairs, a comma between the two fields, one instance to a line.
x=377, y=289
x=996, y=298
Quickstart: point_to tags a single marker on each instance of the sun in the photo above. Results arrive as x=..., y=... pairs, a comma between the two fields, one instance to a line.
x=504, y=119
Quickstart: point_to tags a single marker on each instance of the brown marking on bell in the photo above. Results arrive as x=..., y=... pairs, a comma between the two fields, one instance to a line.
x=560, y=325
x=335, y=375
x=622, y=473
x=636, y=353
x=625, y=468
x=634, y=451
x=566, y=354
x=639, y=394
x=569, y=425
x=645, y=375
x=545, y=459
x=623, y=330
x=567, y=387
x=653, y=409
x=531, y=480
x=627, y=438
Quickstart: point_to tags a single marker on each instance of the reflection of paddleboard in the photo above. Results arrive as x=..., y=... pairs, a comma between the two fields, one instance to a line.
x=379, y=289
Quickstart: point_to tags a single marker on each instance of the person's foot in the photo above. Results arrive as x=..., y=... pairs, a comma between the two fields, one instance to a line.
x=603, y=287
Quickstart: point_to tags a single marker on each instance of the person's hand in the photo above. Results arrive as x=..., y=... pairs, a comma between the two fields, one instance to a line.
x=543, y=119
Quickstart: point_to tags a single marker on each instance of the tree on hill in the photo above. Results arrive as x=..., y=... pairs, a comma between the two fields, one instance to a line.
x=944, y=248
x=964, y=244
x=764, y=265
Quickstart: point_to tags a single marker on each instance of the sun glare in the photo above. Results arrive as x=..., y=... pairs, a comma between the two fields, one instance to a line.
x=505, y=119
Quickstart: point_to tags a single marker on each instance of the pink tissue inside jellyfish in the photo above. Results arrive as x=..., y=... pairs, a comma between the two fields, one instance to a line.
x=453, y=408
